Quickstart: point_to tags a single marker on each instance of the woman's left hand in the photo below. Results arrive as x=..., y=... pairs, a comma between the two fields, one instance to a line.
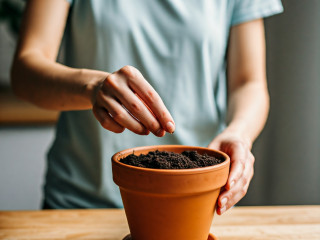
x=238, y=149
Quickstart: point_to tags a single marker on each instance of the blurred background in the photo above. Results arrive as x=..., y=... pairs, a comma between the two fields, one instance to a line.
x=287, y=168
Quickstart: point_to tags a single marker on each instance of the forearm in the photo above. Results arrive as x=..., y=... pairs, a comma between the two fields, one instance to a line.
x=248, y=107
x=51, y=85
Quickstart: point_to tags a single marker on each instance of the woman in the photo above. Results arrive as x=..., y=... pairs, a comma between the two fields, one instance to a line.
x=195, y=68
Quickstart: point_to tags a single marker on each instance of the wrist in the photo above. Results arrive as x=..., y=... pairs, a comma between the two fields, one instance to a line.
x=94, y=80
x=238, y=129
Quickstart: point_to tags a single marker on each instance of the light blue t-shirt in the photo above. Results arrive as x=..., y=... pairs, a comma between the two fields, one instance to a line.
x=180, y=48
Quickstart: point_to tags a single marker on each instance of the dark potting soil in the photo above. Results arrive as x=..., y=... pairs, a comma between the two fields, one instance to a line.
x=169, y=160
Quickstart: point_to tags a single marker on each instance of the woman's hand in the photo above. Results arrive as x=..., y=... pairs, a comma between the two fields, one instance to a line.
x=241, y=168
x=124, y=99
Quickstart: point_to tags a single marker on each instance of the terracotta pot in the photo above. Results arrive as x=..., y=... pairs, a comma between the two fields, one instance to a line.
x=162, y=204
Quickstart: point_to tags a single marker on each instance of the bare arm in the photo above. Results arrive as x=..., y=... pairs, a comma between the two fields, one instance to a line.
x=37, y=78
x=248, y=106
x=248, y=101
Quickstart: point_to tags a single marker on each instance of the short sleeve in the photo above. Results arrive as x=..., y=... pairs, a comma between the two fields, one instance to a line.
x=247, y=10
x=69, y=1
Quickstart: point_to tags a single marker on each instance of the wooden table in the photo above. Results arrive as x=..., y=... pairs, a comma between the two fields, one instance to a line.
x=239, y=223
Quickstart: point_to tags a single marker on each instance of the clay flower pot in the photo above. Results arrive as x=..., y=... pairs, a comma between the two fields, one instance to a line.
x=162, y=204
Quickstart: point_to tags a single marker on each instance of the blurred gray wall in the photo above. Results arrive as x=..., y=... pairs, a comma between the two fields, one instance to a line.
x=287, y=153
x=22, y=166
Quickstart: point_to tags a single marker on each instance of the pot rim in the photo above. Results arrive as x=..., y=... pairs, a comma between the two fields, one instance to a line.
x=224, y=164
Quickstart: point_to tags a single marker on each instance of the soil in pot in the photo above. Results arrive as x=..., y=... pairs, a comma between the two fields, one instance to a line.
x=170, y=160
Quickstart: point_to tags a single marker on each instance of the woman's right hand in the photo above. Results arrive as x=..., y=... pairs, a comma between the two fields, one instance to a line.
x=124, y=99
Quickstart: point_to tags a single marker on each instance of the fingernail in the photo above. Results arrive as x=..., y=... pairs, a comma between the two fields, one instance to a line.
x=222, y=210
x=231, y=184
x=170, y=127
x=223, y=202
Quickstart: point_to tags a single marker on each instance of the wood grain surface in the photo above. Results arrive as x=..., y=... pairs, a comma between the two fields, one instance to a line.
x=261, y=223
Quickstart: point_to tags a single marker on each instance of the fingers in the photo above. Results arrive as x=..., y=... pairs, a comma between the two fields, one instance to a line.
x=238, y=147
x=106, y=121
x=238, y=157
x=140, y=111
x=122, y=97
x=228, y=198
x=150, y=98
x=123, y=117
x=240, y=177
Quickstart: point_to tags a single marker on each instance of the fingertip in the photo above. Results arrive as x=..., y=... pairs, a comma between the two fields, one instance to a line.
x=146, y=132
x=143, y=131
x=163, y=133
x=160, y=133
x=222, y=210
x=120, y=130
x=170, y=127
x=218, y=210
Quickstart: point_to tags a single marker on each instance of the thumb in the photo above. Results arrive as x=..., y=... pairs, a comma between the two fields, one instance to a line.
x=215, y=144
